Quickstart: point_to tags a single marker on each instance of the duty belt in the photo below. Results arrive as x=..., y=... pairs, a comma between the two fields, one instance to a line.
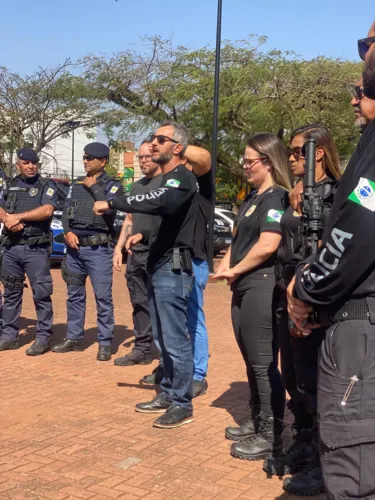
x=354, y=309
x=95, y=240
x=30, y=240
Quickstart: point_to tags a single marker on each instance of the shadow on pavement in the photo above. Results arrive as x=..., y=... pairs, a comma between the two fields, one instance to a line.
x=234, y=400
x=121, y=334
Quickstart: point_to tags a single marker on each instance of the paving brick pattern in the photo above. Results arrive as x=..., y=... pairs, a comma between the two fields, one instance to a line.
x=69, y=430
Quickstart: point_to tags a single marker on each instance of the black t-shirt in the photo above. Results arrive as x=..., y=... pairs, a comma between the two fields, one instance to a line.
x=258, y=213
x=176, y=201
x=205, y=200
x=344, y=265
x=143, y=223
x=288, y=253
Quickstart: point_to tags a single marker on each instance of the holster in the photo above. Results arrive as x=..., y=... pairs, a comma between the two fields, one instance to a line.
x=13, y=282
x=181, y=260
x=70, y=277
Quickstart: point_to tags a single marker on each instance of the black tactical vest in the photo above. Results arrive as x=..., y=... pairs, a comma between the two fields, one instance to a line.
x=80, y=213
x=23, y=199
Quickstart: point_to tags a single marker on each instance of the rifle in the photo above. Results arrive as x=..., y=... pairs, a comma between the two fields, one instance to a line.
x=310, y=229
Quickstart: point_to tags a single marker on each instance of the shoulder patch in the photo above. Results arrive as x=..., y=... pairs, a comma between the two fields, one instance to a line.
x=174, y=183
x=274, y=215
x=295, y=214
x=113, y=189
x=250, y=211
x=363, y=194
x=50, y=192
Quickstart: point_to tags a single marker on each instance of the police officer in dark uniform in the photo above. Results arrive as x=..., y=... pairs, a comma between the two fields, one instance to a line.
x=136, y=265
x=170, y=269
x=89, y=252
x=340, y=284
x=26, y=212
x=299, y=354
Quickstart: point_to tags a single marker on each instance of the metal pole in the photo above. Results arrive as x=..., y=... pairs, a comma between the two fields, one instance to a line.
x=72, y=154
x=210, y=248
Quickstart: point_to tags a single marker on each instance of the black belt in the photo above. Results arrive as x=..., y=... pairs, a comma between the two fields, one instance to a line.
x=354, y=309
x=95, y=240
x=31, y=240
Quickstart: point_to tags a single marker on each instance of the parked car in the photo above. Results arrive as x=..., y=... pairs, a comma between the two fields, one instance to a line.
x=222, y=235
x=225, y=215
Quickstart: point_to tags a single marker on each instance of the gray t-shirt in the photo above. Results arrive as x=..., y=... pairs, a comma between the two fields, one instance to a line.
x=144, y=222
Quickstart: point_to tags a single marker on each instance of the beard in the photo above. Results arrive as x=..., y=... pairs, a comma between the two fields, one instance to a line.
x=163, y=159
x=369, y=77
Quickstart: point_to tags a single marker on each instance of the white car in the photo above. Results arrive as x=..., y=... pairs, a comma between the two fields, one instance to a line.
x=226, y=215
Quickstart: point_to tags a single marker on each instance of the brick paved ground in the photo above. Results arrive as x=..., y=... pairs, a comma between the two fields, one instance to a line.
x=69, y=430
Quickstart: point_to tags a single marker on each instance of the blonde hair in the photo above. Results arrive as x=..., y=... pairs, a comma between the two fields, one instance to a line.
x=273, y=148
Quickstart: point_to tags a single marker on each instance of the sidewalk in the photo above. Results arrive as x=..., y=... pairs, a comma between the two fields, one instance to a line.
x=69, y=430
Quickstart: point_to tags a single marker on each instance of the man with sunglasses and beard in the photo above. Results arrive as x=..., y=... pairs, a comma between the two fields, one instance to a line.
x=170, y=268
x=89, y=252
x=339, y=282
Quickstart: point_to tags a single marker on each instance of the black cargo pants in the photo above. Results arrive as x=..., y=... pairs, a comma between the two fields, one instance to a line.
x=347, y=425
x=137, y=277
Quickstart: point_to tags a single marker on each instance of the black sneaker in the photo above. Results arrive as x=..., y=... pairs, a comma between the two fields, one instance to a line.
x=158, y=405
x=8, y=345
x=309, y=482
x=69, y=345
x=136, y=357
x=199, y=387
x=37, y=348
x=175, y=416
x=155, y=377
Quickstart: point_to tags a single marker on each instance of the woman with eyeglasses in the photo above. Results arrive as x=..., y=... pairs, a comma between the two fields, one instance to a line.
x=248, y=266
x=299, y=354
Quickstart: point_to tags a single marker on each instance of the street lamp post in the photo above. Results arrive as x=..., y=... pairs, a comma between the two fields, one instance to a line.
x=214, y=136
x=73, y=125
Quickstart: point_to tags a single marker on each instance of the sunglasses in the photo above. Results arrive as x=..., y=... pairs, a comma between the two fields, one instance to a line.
x=144, y=157
x=297, y=152
x=89, y=157
x=248, y=162
x=358, y=93
x=162, y=139
x=363, y=46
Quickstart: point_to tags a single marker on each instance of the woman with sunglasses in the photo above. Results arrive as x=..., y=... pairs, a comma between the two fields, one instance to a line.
x=248, y=267
x=299, y=354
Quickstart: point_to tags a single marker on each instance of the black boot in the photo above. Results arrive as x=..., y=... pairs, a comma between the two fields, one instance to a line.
x=69, y=345
x=104, y=353
x=155, y=377
x=309, y=481
x=247, y=428
x=8, y=345
x=135, y=357
x=259, y=446
x=37, y=349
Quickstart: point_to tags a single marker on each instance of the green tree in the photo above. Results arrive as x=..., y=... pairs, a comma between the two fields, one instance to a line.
x=111, y=171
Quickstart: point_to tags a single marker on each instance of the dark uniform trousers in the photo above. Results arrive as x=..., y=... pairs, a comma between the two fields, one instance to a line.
x=32, y=260
x=137, y=278
x=95, y=262
x=347, y=431
x=299, y=361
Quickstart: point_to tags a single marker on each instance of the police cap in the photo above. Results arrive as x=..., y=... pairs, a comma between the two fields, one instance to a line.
x=97, y=150
x=27, y=154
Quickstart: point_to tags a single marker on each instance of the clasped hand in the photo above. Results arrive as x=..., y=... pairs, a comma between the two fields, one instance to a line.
x=13, y=223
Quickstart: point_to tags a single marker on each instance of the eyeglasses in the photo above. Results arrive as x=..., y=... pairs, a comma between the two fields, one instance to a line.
x=249, y=162
x=89, y=157
x=358, y=93
x=363, y=46
x=144, y=157
x=162, y=139
x=297, y=152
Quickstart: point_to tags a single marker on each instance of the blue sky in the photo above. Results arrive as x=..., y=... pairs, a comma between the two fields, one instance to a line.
x=44, y=32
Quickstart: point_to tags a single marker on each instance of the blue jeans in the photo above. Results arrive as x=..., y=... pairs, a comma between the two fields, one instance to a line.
x=196, y=320
x=96, y=262
x=169, y=294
